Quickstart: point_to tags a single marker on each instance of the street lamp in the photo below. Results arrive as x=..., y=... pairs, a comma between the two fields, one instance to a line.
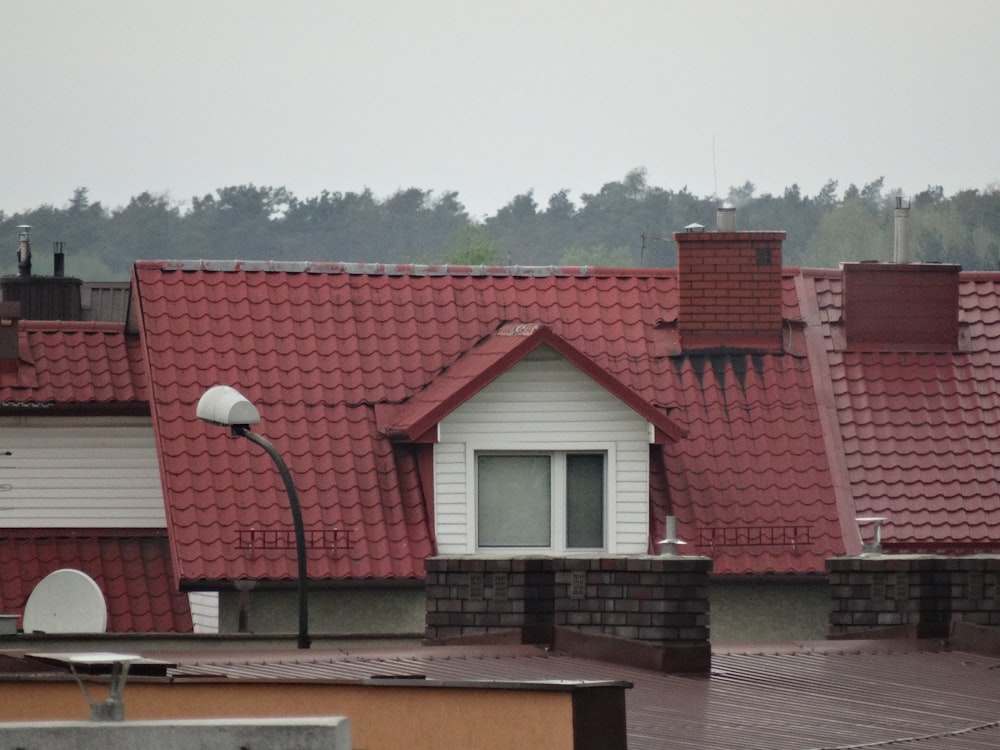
x=226, y=406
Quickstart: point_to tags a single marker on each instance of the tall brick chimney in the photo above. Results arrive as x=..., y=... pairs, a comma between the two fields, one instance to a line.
x=729, y=287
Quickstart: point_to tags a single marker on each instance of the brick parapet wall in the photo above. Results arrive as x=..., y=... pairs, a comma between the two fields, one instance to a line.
x=645, y=598
x=924, y=592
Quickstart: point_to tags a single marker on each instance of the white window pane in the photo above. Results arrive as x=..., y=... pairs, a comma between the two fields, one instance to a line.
x=514, y=501
x=584, y=500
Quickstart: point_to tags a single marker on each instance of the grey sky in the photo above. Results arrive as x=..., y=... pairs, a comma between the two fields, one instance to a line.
x=492, y=99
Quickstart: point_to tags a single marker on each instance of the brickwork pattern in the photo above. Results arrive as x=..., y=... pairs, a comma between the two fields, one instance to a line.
x=928, y=592
x=645, y=598
x=729, y=283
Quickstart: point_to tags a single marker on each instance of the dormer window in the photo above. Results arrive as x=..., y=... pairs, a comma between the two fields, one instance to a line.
x=549, y=500
x=536, y=448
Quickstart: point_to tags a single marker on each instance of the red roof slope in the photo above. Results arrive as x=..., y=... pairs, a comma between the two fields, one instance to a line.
x=319, y=347
x=487, y=361
x=76, y=364
x=132, y=569
x=920, y=430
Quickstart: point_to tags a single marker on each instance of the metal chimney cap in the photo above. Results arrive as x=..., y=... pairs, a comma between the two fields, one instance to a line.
x=725, y=217
x=694, y=228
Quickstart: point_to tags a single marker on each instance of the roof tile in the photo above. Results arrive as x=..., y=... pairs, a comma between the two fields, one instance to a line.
x=132, y=568
x=919, y=430
x=75, y=364
x=319, y=352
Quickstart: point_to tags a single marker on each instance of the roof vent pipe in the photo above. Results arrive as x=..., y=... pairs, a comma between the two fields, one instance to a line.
x=901, y=241
x=58, y=260
x=24, y=250
x=725, y=218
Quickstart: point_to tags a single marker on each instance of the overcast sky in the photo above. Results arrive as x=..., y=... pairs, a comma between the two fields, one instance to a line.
x=493, y=99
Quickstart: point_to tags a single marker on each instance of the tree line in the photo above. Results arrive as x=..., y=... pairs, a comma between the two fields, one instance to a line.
x=628, y=222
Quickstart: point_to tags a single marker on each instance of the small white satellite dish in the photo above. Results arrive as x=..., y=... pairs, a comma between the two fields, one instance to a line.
x=66, y=601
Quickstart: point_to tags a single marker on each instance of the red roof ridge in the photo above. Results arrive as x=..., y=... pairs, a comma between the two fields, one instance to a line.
x=487, y=360
x=397, y=269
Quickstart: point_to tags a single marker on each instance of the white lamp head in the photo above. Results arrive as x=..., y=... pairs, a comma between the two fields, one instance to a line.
x=226, y=406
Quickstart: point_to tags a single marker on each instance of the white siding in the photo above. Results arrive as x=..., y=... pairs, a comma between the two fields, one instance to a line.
x=543, y=403
x=204, y=611
x=451, y=488
x=59, y=472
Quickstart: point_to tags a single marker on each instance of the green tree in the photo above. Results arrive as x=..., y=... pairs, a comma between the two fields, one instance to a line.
x=472, y=246
x=515, y=229
x=619, y=257
x=148, y=227
x=850, y=232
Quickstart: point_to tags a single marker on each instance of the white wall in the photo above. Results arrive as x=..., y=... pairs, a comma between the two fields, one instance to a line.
x=543, y=403
x=204, y=611
x=89, y=472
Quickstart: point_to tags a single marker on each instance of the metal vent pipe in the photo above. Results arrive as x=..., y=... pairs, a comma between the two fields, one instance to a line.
x=725, y=219
x=24, y=250
x=58, y=259
x=901, y=240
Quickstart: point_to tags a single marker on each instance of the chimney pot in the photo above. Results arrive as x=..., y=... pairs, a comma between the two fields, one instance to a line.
x=58, y=259
x=24, y=250
x=901, y=238
x=725, y=218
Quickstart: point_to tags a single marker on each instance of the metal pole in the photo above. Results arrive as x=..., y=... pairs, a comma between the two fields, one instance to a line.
x=300, y=534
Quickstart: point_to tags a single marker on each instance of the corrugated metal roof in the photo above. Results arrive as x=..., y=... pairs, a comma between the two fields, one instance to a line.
x=829, y=695
x=106, y=300
x=318, y=349
x=132, y=569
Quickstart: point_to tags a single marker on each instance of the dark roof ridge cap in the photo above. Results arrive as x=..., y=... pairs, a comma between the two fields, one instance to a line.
x=84, y=532
x=83, y=326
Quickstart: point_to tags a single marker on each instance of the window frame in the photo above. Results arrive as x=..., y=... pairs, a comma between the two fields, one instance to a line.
x=558, y=531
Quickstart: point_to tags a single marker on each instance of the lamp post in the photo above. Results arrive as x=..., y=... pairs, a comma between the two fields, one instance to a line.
x=228, y=407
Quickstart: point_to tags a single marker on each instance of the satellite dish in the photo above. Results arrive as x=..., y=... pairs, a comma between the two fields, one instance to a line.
x=66, y=601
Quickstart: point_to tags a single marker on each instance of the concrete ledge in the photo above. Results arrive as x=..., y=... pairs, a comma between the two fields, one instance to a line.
x=320, y=733
x=977, y=639
x=895, y=633
x=673, y=658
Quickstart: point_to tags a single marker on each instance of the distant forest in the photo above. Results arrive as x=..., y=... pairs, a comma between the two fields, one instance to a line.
x=626, y=223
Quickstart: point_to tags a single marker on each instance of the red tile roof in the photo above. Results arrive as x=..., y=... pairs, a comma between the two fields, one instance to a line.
x=75, y=365
x=131, y=567
x=489, y=359
x=920, y=430
x=320, y=347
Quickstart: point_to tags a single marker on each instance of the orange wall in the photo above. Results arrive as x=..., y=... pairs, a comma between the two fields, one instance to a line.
x=382, y=718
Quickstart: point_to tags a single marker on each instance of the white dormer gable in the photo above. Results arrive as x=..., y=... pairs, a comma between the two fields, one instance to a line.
x=542, y=429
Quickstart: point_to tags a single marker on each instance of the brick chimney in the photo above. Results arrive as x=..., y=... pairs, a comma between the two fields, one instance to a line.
x=729, y=286
x=901, y=307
